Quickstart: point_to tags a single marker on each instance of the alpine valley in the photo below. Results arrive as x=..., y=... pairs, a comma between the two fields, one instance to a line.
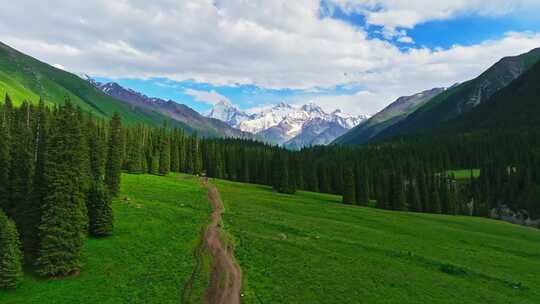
x=217, y=153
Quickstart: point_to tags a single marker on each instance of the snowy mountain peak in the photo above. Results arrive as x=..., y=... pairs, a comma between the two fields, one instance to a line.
x=225, y=103
x=228, y=113
x=283, y=122
x=282, y=105
x=312, y=108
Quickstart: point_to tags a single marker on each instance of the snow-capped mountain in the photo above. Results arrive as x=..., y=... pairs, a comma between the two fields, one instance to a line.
x=316, y=132
x=227, y=112
x=291, y=126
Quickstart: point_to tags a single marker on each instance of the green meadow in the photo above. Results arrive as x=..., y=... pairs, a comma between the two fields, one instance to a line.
x=148, y=259
x=303, y=248
x=310, y=248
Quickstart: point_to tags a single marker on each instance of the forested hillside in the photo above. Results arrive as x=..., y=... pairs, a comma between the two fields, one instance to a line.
x=27, y=79
x=59, y=168
x=516, y=106
x=462, y=98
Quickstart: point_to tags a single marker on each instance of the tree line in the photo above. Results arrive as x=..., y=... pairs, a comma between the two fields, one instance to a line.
x=59, y=168
x=409, y=175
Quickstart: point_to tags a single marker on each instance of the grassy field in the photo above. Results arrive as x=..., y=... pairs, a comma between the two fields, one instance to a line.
x=309, y=248
x=305, y=248
x=464, y=174
x=149, y=258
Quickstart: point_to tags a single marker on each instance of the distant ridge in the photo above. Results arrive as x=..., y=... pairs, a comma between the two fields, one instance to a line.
x=389, y=116
x=462, y=98
x=176, y=111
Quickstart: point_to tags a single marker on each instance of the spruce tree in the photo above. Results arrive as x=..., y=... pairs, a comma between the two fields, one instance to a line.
x=435, y=201
x=100, y=217
x=5, y=156
x=99, y=210
x=64, y=214
x=362, y=187
x=283, y=183
x=10, y=254
x=40, y=181
x=349, y=192
x=22, y=209
x=413, y=197
x=164, y=153
x=114, y=155
x=276, y=171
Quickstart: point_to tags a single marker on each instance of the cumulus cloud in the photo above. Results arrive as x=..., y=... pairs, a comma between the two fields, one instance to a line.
x=270, y=44
x=405, y=39
x=209, y=97
x=407, y=14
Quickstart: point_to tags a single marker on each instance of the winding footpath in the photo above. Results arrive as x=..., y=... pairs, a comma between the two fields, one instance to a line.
x=226, y=275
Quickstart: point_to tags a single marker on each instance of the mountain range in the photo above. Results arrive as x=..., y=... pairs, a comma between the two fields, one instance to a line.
x=295, y=127
x=291, y=126
x=172, y=109
x=27, y=79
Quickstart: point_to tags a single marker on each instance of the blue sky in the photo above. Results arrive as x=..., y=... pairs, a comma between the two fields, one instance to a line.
x=464, y=30
x=356, y=55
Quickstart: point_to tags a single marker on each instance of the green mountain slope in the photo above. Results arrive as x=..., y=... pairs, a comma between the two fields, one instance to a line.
x=310, y=248
x=389, y=116
x=25, y=78
x=462, y=98
x=516, y=106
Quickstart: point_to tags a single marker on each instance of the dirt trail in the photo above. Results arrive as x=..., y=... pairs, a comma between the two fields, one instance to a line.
x=226, y=275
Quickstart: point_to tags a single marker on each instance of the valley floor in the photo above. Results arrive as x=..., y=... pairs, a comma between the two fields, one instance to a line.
x=303, y=248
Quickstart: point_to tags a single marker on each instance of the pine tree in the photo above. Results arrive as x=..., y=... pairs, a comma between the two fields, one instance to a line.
x=99, y=210
x=362, y=187
x=5, y=155
x=164, y=153
x=10, y=254
x=22, y=209
x=175, y=152
x=435, y=201
x=283, y=183
x=100, y=218
x=349, y=192
x=114, y=156
x=40, y=181
x=64, y=214
x=413, y=197
x=276, y=171
x=134, y=161
x=398, y=200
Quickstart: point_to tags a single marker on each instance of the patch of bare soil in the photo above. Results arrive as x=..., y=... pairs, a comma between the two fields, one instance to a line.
x=226, y=275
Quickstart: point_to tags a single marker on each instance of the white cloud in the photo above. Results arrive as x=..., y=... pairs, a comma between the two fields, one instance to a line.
x=405, y=39
x=243, y=42
x=407, y=14
x=363, y=102
x=209, y=97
